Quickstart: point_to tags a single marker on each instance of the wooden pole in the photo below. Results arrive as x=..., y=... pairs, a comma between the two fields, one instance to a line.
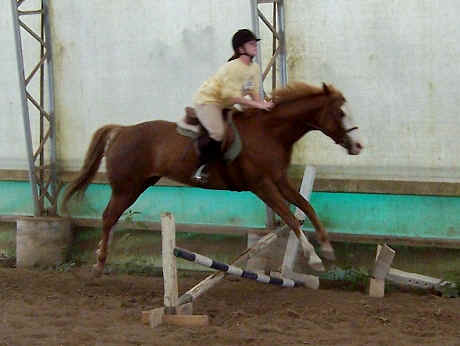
x=292, y=246
x=171, y=313
x=168, y=237
x=232, y=269
x=383, y=261
x=213, y=279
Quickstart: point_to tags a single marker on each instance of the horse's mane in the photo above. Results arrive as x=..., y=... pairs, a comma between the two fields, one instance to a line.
x=292, y=92
x=297, y=90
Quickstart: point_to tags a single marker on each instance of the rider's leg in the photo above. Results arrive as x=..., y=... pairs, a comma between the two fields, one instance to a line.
x=210, y=150
x=210, y=116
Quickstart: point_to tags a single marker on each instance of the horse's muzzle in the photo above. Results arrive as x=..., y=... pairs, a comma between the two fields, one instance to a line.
x=352, y=147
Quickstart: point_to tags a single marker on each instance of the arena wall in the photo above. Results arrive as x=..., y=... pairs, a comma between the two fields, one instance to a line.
x=116, y=62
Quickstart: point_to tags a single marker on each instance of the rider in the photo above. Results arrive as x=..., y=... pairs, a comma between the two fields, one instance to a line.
x=236, y=79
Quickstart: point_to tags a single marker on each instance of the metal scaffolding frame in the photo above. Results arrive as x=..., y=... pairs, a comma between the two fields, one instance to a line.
x=277, y=29
x=42, y=170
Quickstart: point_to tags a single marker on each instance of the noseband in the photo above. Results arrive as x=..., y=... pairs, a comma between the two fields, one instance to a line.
x=352, y=129
x=340, y=141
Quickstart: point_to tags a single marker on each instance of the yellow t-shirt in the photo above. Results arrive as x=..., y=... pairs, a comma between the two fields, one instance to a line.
x=234, y=79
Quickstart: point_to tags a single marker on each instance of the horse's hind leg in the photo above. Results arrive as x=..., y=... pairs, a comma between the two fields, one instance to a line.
x=270, y=194
x=294, y=197
x=117, y=205
x=119, y=202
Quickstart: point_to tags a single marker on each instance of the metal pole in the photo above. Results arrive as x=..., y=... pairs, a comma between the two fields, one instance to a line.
x=25, y=109
x=282, y=43
x=270, y=215
x=274, y=43
x=41, y=164
x=255, y=29
x=52, y=124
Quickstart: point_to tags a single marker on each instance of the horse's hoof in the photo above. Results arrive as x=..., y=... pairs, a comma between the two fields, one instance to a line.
x=97, y=271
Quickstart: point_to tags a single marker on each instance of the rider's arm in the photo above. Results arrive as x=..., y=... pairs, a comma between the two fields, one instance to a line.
x=255, y=96
x=247, y=102
x=231, y=89
x=252, y=103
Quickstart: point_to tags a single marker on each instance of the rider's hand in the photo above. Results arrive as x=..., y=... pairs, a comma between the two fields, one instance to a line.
x=266, y=106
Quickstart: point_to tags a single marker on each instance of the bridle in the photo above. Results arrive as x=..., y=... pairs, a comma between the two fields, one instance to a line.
x=338, y=141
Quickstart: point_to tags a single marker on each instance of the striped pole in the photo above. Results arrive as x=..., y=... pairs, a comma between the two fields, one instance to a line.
x=208, y=262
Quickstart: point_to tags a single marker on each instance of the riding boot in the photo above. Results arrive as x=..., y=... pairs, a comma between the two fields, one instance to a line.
x=210, y=150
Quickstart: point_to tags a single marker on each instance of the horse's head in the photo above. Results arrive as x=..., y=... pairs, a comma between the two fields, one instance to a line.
x=316, y=108
x=337, y=123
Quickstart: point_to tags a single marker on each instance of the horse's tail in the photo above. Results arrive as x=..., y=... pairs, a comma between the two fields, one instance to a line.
x=91, y=164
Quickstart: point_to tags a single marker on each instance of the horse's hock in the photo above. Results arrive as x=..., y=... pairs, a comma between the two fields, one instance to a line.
x=42, y=241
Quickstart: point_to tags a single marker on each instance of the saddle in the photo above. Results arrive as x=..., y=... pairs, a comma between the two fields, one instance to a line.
x=190, y=126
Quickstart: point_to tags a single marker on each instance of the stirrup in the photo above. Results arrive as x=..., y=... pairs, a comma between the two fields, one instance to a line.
x=201, y=175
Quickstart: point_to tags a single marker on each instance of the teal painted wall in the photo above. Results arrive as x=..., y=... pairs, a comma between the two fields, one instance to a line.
x=372, y=214
x=16, y=198
x=395, y=215
x=189, y=205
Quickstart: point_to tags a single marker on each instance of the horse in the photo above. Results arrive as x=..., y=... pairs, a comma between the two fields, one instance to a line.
x=137, y=156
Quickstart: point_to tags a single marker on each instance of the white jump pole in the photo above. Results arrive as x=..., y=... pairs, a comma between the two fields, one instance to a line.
x=292, y=247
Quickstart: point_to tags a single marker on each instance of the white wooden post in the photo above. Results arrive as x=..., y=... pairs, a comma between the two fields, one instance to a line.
x=292, y=247
x=383, y=261
x=171, y=313
x=406, y=279
x=168, y=236
x=213, y=279
x=257, y=263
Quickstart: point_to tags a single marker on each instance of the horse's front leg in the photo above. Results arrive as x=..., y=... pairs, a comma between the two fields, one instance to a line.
x=269, y=193
x=294, y=197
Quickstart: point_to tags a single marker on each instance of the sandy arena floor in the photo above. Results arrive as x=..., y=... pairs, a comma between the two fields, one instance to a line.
x=70, y=308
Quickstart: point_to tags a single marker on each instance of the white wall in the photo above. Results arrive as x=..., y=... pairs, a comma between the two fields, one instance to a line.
x=116, y=62
x=120, y=63
x=12, y=142
x=396, y=62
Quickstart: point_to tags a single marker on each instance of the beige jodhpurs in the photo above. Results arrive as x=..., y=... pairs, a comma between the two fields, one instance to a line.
x=210, y=115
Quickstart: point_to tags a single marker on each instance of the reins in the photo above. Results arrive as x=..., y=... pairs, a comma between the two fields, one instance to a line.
x=327, y=133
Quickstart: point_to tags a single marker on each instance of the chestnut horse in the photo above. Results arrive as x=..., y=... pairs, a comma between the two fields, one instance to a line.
x=138, y=156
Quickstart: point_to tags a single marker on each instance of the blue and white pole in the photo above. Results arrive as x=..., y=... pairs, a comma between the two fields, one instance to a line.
x=208, y=262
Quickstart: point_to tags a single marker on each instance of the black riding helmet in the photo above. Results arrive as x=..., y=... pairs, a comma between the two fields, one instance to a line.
x=239, y=39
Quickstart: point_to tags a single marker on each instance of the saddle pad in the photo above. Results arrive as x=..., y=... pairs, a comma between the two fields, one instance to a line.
x=231, y=153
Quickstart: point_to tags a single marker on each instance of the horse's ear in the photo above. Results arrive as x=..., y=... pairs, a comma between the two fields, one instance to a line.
x=326, y=89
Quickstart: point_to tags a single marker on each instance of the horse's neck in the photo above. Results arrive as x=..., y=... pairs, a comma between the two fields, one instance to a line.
x=291, y=121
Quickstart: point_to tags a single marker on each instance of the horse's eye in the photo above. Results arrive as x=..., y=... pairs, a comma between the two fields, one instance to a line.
x=341, y=113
